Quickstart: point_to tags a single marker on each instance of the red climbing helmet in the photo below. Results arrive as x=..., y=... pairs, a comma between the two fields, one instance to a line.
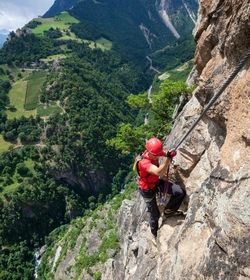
x=154, y=146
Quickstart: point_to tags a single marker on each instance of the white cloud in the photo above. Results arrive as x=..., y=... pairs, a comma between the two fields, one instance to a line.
x=14, y=14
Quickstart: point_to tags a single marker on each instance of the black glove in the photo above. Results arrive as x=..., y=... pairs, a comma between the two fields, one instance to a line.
x=171, y=154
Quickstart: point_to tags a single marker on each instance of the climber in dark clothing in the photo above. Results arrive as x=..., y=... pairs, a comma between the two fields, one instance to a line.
x=150, y=177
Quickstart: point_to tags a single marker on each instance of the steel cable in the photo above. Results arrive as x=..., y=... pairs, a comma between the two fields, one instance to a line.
x=216, y=96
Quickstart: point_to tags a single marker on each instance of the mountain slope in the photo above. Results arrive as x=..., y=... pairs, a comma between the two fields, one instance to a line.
x=142, y=27
x=59, y=6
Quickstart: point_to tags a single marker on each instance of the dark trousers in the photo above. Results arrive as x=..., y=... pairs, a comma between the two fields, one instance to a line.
x=177, y=195
x=150, y=200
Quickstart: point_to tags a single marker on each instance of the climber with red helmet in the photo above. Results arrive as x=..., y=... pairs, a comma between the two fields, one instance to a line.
x=150, y=177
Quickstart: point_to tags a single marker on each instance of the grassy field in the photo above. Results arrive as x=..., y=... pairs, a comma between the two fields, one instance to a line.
x=12, y=72
x=179, y=73
x=8, y=189
x=34, y=83
x=24, y=96
x=101, y=43
x=17, y=98
x=46, y=111
x=63, y=22
x=54, y=57
x=4, y=146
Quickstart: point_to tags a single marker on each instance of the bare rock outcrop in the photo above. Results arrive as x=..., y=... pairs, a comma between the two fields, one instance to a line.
x=213, y=164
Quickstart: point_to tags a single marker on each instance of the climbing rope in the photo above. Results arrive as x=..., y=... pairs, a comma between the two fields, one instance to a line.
x=164, y=191
x=228, y=81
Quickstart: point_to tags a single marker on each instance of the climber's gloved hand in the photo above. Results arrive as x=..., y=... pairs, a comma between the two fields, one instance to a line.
x=171, y=153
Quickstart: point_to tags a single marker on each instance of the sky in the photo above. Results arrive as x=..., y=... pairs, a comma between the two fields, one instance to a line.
x=15, y=13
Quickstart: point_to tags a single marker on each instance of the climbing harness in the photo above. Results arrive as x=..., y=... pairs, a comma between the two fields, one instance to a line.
x=228, y=81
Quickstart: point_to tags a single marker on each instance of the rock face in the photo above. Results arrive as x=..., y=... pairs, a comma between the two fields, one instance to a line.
x=213, y=164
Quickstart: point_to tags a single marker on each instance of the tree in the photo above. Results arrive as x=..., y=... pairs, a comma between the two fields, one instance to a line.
x=2, y=71
x=128, y=139
x=22, y=136
x=160, y=110
x=22, y=169
x=10, y=135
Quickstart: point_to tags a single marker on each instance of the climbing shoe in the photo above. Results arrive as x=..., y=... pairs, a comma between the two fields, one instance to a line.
x=154, y=239
x=170, y=213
